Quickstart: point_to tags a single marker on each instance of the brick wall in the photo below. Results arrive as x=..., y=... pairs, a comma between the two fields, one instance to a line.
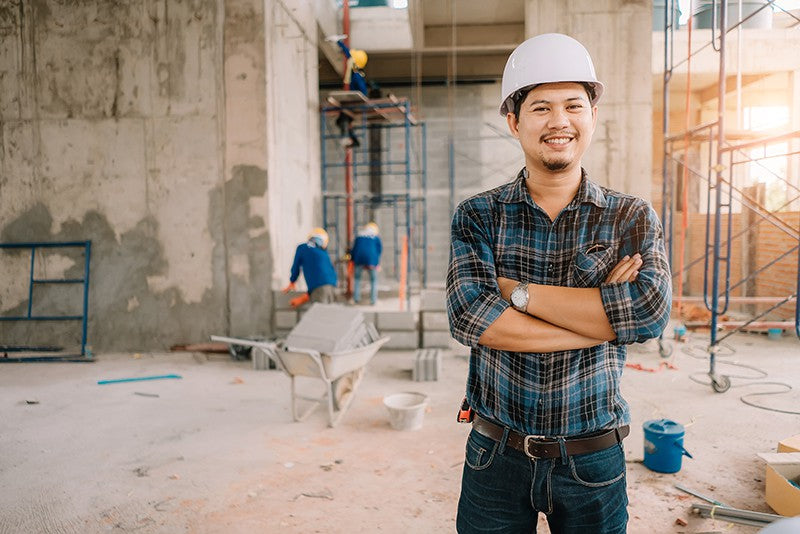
x=750, y=252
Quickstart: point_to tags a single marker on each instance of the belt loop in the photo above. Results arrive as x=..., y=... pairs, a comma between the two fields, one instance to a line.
x=502, y=448
x=562, y=444
x=619, y=437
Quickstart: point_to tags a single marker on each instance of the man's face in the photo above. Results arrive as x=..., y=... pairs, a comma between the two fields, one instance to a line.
x=555, y=126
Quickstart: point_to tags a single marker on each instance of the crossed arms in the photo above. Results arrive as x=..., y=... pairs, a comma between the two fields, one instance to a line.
x=632, y=303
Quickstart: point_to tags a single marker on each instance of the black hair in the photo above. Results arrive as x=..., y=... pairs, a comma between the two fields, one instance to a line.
x=519, y=96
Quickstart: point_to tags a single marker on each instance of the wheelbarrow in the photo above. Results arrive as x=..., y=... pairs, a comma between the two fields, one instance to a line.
x=340, y=370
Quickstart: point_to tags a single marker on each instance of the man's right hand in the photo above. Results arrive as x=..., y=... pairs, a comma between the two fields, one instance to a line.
x=626, y=270
x=288, y=288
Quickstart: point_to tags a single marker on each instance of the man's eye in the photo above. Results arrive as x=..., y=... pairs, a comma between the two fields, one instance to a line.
x=537, y=110
x=576, y=106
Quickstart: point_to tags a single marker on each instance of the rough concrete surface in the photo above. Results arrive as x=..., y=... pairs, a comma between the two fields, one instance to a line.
x=218, y=452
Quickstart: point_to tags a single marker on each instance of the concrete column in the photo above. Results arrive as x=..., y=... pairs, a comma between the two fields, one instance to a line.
x=292, y=128
x=247, y=240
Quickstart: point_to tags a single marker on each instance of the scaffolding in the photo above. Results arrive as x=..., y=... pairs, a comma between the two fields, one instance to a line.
x=714, y=161
x=381, y=179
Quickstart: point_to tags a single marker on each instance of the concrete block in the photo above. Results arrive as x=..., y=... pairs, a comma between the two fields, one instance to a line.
x=328, y=328
x=285, y=319
x=396, y=320
x=369, y=317
x=435, y=339
x=281, y=333
x=427, y=365
x=433, y=300
x=434, y=320
x=408, y=340
x=281, y=299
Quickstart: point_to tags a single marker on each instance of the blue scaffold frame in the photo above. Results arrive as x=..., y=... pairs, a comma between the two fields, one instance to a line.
x=408, y=206
x=36, y=356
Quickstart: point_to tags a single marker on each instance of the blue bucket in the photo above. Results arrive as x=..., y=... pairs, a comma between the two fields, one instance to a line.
x=663, y=445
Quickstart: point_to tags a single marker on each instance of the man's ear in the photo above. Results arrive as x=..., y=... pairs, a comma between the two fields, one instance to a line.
x=594, y=117
x=513, y=124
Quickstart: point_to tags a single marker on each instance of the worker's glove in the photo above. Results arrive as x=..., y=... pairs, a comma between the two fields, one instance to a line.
x=336, y=38
x=288, y=288
x=299, y=301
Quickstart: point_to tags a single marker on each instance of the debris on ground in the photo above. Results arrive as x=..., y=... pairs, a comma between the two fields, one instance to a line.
x=323, y=494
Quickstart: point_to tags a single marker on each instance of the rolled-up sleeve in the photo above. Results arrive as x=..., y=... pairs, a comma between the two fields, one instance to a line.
x=473, y=296
x=640, y=310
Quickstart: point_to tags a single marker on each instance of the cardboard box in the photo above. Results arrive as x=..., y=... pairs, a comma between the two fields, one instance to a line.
x=791, y=444
x=782, y=496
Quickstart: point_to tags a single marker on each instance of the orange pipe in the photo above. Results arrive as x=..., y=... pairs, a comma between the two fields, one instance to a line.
x=401, y=293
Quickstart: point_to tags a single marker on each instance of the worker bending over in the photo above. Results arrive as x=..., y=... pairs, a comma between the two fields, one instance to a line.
x=311, y=258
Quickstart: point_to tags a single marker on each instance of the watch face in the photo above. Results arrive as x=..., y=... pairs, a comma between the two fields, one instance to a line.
x=518, y=297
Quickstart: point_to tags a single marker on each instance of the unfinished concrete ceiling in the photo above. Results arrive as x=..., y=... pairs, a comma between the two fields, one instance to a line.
x=463, y=40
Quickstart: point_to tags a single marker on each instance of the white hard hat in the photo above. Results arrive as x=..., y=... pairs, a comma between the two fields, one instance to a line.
x=547, y=58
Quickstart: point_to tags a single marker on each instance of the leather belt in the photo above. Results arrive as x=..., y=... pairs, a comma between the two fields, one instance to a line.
x=542, y=447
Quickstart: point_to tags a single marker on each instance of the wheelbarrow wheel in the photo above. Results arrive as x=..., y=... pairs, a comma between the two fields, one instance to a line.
x=344, y=386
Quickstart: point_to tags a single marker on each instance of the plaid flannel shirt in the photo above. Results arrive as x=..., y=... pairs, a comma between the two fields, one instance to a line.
x=502, y=232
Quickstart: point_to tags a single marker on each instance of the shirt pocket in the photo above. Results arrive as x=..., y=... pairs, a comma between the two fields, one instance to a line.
x=592, y=264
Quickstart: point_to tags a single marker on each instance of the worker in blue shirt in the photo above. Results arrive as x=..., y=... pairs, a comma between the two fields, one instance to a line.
x=312, y=259
x=366, y=256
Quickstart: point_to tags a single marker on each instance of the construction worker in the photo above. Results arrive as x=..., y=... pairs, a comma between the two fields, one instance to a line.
x=366, y=256
x=312, y=259
x=550, y=276
x=355, y=79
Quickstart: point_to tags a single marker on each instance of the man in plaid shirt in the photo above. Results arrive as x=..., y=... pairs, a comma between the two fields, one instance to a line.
x=550, y=277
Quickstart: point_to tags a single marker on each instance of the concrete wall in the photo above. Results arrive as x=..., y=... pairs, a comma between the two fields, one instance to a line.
x=150, y=128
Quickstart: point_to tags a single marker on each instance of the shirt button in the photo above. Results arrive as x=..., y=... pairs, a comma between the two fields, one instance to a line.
x=541, y=402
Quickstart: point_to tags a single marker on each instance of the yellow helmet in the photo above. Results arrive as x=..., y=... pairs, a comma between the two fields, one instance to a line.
x=321, y=234
x=372, y=228
x=359, y=58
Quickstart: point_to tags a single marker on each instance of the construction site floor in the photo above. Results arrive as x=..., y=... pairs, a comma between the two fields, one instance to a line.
x=217, y=451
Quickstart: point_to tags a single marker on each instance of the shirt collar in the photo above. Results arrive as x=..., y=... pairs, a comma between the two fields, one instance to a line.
x=587, y=192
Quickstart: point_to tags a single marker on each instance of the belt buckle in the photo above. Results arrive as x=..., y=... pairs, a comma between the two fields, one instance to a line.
x=527, y=441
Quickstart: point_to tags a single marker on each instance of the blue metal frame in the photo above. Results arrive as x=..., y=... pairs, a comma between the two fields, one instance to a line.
x=412, y=224
x=32, y=280
x=716, y=293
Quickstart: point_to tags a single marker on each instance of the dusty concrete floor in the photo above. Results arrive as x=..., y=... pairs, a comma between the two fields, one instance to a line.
x=217, y=451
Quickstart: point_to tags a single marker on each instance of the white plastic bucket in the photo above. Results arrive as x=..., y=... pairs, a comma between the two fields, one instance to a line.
x=406, y=410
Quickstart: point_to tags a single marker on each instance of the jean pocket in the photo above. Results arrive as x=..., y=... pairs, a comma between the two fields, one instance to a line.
x=590, y=268
x=597, y=469
x=480, y=451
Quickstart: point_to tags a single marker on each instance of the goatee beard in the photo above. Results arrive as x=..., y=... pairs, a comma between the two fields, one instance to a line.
x=556, y=165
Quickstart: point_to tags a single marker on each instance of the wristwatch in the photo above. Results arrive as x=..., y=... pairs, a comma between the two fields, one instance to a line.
x=519, y=297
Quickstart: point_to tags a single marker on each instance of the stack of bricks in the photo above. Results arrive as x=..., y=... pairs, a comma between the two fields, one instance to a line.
x=400, y=326
x=285, y=317
x=433, y=319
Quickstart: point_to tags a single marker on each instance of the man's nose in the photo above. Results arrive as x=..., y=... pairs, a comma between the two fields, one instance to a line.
x=558, y=118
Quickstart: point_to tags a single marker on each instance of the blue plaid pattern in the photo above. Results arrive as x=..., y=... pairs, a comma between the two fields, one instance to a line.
x=502, y=232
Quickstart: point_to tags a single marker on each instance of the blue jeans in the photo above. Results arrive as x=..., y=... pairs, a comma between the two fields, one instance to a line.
x=502, y=491
x=373, y=282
